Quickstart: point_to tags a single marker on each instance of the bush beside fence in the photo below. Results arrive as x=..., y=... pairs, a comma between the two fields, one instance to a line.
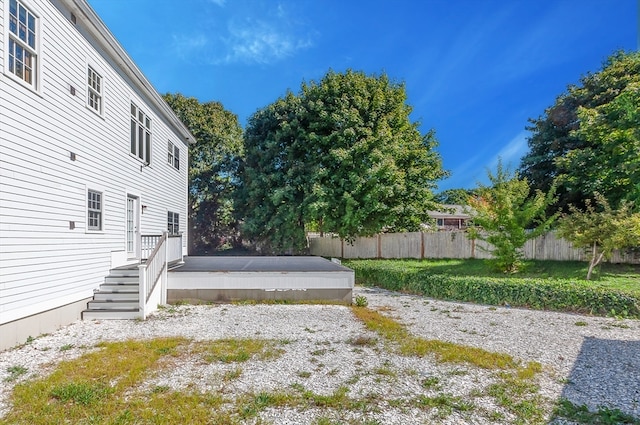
x=449, y=245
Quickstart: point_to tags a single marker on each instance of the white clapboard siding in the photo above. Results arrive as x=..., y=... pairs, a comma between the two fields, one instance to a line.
x=44, y=264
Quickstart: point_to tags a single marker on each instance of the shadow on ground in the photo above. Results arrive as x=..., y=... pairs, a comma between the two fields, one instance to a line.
x=606, y=374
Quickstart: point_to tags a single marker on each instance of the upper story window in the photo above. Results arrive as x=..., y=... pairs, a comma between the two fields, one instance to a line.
x=140, y=134
x=23, y=34
x=94, y=210
x=94, y=90
x=173, y=156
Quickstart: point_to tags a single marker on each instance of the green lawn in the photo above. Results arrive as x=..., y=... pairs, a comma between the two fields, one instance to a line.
x=553, y=285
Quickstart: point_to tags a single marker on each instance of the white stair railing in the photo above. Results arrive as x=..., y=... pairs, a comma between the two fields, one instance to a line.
x=167, y=250
x=153, y=271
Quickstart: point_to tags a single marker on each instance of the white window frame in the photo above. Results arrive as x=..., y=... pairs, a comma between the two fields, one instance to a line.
x=14, y=43
x=95, y=90
x=173, y=155
x=140, y=134
x=173, y=223
x=92, y=209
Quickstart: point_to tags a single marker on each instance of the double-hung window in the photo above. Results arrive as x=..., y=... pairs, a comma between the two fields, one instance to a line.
x=23, y=35
x=140, y=134
x=173, y=156
x=94, y=90
x=173, y=223
x=94, y=210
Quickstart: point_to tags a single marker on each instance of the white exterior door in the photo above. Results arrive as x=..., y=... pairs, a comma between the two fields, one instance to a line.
x=133, y=226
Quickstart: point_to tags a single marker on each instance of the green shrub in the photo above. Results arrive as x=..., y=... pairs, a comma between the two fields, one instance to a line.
x=530, y=292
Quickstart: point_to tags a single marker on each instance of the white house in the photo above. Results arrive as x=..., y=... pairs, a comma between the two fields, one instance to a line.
x=92, y=162
x=452, y=217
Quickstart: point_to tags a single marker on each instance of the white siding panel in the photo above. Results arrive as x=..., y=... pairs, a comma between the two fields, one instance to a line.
x=43, y=263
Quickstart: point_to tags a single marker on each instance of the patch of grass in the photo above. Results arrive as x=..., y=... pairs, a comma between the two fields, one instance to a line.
x=514, y=388
x=539, y=285
x=445, y=403
x=95, y=385
x=581, y=323
x=519, y=395
x=82, y=393
x=15, y=372
x=239, y=350
x=448, y=352
x=383, y=325
x=249, y=406
x=67, y=347
x=232, y=375
x=430, y=382
x=304, y=374
x=385, y=371
x=445, y=352
x=604, y=416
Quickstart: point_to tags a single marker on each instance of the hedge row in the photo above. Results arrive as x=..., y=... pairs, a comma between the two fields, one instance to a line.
x=541, y=294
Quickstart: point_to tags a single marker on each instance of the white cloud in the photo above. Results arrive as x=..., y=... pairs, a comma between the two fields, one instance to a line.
x=186, y=46
x=512, y=151
x=245, y=33
x=262, y=42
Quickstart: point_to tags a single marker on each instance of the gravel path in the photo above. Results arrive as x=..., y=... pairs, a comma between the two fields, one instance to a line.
x=588, y=360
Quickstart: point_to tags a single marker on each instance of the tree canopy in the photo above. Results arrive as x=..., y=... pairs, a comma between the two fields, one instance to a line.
x=601, y=230
x=455, y=196
x=213, y=164
x=589, y=140
x=341, y=156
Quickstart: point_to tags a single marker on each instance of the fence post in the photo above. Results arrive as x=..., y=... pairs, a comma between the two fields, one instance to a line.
x=422, y=245
x=379, y=250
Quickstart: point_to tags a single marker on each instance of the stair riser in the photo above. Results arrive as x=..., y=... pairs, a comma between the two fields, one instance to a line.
x=115, y=296
x=110, y=315
x=121, y=280
x=123, y=272
x=112, y=305
x=119, y=289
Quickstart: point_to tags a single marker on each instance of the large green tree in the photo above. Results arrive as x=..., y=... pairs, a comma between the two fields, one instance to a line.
x=506, y=214
x=341, y=156
x=455, y=196
x=589, y=140
x=213, y=169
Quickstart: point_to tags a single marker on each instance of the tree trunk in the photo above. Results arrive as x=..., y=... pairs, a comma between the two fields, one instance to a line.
x=595, y=260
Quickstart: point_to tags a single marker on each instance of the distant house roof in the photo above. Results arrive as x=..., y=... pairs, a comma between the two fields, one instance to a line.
x=451, y=211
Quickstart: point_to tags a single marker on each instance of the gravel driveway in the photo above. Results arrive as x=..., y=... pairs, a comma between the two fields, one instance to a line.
x=588, y=360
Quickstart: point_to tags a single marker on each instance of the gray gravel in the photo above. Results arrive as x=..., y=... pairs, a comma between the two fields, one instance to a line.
x=588, y=360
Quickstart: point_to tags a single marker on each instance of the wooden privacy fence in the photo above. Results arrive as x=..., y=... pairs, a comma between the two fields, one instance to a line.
x=449, y=245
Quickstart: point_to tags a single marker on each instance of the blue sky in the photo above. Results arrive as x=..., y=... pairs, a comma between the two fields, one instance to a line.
x=475, y=70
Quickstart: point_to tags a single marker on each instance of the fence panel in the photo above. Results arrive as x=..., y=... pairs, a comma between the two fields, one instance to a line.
x=362, y=248
x=326, y=246
x=401, y=245
x=450, y=245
